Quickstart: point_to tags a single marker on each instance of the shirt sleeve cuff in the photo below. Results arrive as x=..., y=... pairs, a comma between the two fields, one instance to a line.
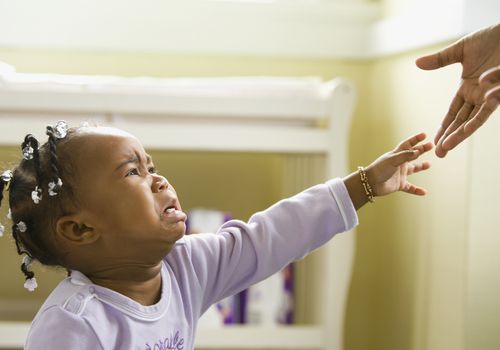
x=346, y=207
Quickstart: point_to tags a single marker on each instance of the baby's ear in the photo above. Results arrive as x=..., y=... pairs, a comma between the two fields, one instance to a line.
x=71, y=229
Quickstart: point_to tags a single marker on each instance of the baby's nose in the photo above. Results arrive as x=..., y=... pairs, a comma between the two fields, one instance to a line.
x=159, y=183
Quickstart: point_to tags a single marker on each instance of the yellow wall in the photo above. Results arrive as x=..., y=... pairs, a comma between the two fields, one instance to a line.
x=426, y=271
x=483, y=258
x=408, y=286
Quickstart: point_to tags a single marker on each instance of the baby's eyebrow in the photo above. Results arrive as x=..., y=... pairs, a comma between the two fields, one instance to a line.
x=134, y=160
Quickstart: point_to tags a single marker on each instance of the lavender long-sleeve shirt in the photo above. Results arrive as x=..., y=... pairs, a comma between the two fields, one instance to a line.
x=199, y=271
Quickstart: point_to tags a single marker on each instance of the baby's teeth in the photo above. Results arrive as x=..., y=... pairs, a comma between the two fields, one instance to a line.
x=170, y=210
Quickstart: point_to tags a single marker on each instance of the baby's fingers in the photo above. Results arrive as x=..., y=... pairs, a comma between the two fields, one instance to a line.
x=408, y=155
x=411, y=142
x=415, y=168
x=426, y=147
x=412, y=189
x=402, y=157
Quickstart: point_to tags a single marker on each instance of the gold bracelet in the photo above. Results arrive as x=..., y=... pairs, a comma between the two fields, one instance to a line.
x=366, y=185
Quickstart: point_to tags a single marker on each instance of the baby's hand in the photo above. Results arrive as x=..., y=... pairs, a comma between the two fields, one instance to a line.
x=389, y=172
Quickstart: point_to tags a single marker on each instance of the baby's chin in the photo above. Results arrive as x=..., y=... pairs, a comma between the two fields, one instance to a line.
x=174, y=231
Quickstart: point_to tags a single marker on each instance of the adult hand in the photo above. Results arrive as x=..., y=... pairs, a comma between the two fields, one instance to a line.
x=468, y=110
x=490, y=81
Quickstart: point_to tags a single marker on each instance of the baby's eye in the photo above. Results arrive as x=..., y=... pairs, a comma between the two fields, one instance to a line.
x=133, y=171
x=152, y=170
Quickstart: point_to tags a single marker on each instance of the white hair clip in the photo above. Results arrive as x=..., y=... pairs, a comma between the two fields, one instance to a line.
x=6, y=178
x=21, y=226
x=53, y=187
x=28, y=152
x=27, y=260
x=60, y=129
x=31, y=284
x=36, y=195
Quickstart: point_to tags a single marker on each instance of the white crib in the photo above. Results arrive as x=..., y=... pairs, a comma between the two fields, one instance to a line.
x=260, y=114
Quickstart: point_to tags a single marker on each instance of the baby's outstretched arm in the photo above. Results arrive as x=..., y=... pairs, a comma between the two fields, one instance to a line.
x=389, y=173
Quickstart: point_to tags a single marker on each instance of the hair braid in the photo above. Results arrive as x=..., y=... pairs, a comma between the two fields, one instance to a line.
x=2, y=186
x=56, y=183
x=25, y=269
x=30, y=151
x=5, y=180
x=20, y=249
x=28, y=258
x=31, y=154
x=53, y=151
x=40, y=170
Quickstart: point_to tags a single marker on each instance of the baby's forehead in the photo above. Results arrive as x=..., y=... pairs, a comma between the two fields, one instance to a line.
x=89, y=131
x=105, y=144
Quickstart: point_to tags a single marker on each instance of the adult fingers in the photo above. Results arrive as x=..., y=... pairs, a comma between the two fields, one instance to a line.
x=455, y=107
x=440, y=151
x=481, y=116
x=449, y=55
x=454, y=139
x=490, y=81
x=492, y=97
x=459, y=135
x=455, y=133
x=461, y=118
x=491, y=76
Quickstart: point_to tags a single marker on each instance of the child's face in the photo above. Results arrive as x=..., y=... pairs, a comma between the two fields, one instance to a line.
x=124, y=199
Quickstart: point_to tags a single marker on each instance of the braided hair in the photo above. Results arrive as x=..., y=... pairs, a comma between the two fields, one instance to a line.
x=37, y=197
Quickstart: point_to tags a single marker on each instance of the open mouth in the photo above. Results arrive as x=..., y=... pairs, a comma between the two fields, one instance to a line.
x=173, y=214
x=170, y=209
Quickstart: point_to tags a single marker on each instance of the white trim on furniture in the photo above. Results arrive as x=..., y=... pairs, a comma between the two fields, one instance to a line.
x=285, y=115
